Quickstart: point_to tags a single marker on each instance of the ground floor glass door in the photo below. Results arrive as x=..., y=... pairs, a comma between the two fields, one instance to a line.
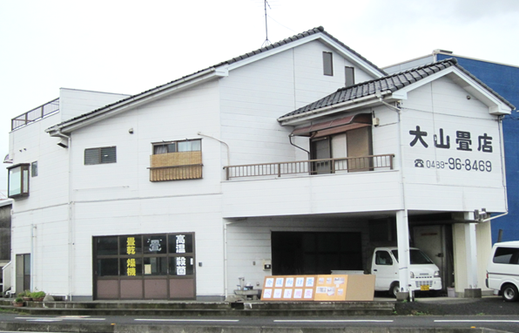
x=23, y=272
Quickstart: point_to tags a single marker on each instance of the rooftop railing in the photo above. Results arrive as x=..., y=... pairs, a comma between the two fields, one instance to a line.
x=35, y=114
x=312, y=167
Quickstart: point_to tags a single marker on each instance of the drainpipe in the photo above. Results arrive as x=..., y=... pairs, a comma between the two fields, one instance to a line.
x=225, y=283
x=402, y=216
x=222, y=142
x=33, y=255
x=290, y=136
x=503, y=166
x=70, y=215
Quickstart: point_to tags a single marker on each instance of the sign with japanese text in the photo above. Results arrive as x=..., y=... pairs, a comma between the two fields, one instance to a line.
x=319, y=288
x=450, y=150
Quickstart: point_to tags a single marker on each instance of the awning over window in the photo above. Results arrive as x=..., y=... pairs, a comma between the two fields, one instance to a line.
x=334, y=126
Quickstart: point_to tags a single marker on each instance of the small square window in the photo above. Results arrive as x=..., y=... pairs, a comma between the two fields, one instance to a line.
x=349, y=76
x=34, y=169
x=328, y=63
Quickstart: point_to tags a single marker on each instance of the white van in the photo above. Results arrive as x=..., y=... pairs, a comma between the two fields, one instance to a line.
x=424, y=274
x=503, y=270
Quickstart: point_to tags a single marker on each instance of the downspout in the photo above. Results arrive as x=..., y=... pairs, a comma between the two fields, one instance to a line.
x=290, y=136
x=225, y=259
x=33, y=256
x=222, y=142
x=404, y=277
x=503, y=166
x=71, y=251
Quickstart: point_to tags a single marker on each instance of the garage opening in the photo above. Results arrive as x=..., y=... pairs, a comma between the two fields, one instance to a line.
x=296, y=253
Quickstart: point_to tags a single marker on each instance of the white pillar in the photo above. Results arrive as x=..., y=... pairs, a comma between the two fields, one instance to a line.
x=471, y=255
x=402, y=232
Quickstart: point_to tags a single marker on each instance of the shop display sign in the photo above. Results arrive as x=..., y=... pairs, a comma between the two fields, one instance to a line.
x=360, y=287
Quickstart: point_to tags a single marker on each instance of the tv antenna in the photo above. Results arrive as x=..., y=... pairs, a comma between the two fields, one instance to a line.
x=267, y=41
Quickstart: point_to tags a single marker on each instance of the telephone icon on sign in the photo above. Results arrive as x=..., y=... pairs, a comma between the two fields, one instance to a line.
x=418, y=163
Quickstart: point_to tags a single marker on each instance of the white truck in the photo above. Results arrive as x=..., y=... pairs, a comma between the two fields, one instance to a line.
x=503, y=270
x=424, y=274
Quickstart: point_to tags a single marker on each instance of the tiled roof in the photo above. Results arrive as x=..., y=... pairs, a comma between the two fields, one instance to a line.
x=294, y=38
x=227, y=62
x=389, y=83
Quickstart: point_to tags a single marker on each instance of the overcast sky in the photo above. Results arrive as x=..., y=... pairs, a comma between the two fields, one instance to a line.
x=129, y=46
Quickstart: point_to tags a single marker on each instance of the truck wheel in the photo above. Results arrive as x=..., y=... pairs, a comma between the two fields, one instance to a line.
x=395, y=288
x=510, y=293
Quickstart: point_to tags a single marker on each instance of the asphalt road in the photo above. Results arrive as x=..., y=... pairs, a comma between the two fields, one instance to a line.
x=488, y=312
x=503, y=323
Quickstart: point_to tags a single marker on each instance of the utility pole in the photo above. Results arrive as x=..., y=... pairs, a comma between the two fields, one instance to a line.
x=267, y=41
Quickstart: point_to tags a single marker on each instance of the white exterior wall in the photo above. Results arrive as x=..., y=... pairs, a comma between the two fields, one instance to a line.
x=249, y=243
x=318, y=194
x=75, y=102
x=454, y=185
x=40, y=223
x=254, y=96
x=410, y=64
x=118, y=198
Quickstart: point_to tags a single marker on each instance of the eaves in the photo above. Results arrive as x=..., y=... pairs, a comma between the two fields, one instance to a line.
x=135, y=101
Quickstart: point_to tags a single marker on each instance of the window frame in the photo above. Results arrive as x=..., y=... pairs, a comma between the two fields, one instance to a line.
x=34, y=169
x=349, y=76
x=99, y=158
x=174, y=146
x=327, y=63
x=23, y=181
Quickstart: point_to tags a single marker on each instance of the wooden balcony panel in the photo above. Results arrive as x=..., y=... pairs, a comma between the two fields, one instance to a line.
x=176, y=166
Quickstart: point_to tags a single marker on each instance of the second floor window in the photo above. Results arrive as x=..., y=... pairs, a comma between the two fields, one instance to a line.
x=176, y=146
x=100, y=155
x=176, y=160
x=328, y=63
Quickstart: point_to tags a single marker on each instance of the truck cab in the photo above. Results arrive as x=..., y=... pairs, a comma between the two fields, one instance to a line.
x=424, y=274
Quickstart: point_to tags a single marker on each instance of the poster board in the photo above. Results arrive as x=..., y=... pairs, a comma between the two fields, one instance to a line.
x=319, y=288
x=289, y=288
x=331, y=287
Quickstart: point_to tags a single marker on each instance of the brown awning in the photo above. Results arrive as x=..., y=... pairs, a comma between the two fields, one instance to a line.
x=334, y=126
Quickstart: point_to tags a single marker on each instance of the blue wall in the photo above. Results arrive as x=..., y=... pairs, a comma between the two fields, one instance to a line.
x=505, y=81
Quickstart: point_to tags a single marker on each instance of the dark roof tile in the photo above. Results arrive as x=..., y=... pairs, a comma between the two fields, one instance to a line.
x=391, y=83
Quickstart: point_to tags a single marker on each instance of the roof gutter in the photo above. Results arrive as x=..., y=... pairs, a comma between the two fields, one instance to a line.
x=366, y=100
x=134, y=101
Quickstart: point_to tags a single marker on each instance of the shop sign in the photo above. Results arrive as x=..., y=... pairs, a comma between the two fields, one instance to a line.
x=463, y=140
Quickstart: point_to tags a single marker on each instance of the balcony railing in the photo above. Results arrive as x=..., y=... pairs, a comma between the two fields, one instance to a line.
x=312, y=167
x=35, y=114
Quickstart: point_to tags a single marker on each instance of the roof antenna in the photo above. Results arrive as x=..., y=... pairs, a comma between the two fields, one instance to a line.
x=267, y=41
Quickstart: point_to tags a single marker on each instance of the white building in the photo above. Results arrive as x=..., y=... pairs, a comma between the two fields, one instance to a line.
x=177, y=192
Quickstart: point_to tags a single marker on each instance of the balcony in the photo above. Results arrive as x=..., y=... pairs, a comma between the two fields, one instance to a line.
x=357, y=185
x=35, y=114
x=312, y=167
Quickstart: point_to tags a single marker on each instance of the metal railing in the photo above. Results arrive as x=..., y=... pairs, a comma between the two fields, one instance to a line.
x=312, y=167
x=35, y=114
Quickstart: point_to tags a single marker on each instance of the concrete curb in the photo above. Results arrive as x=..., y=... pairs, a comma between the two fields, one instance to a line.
x=108, y=328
